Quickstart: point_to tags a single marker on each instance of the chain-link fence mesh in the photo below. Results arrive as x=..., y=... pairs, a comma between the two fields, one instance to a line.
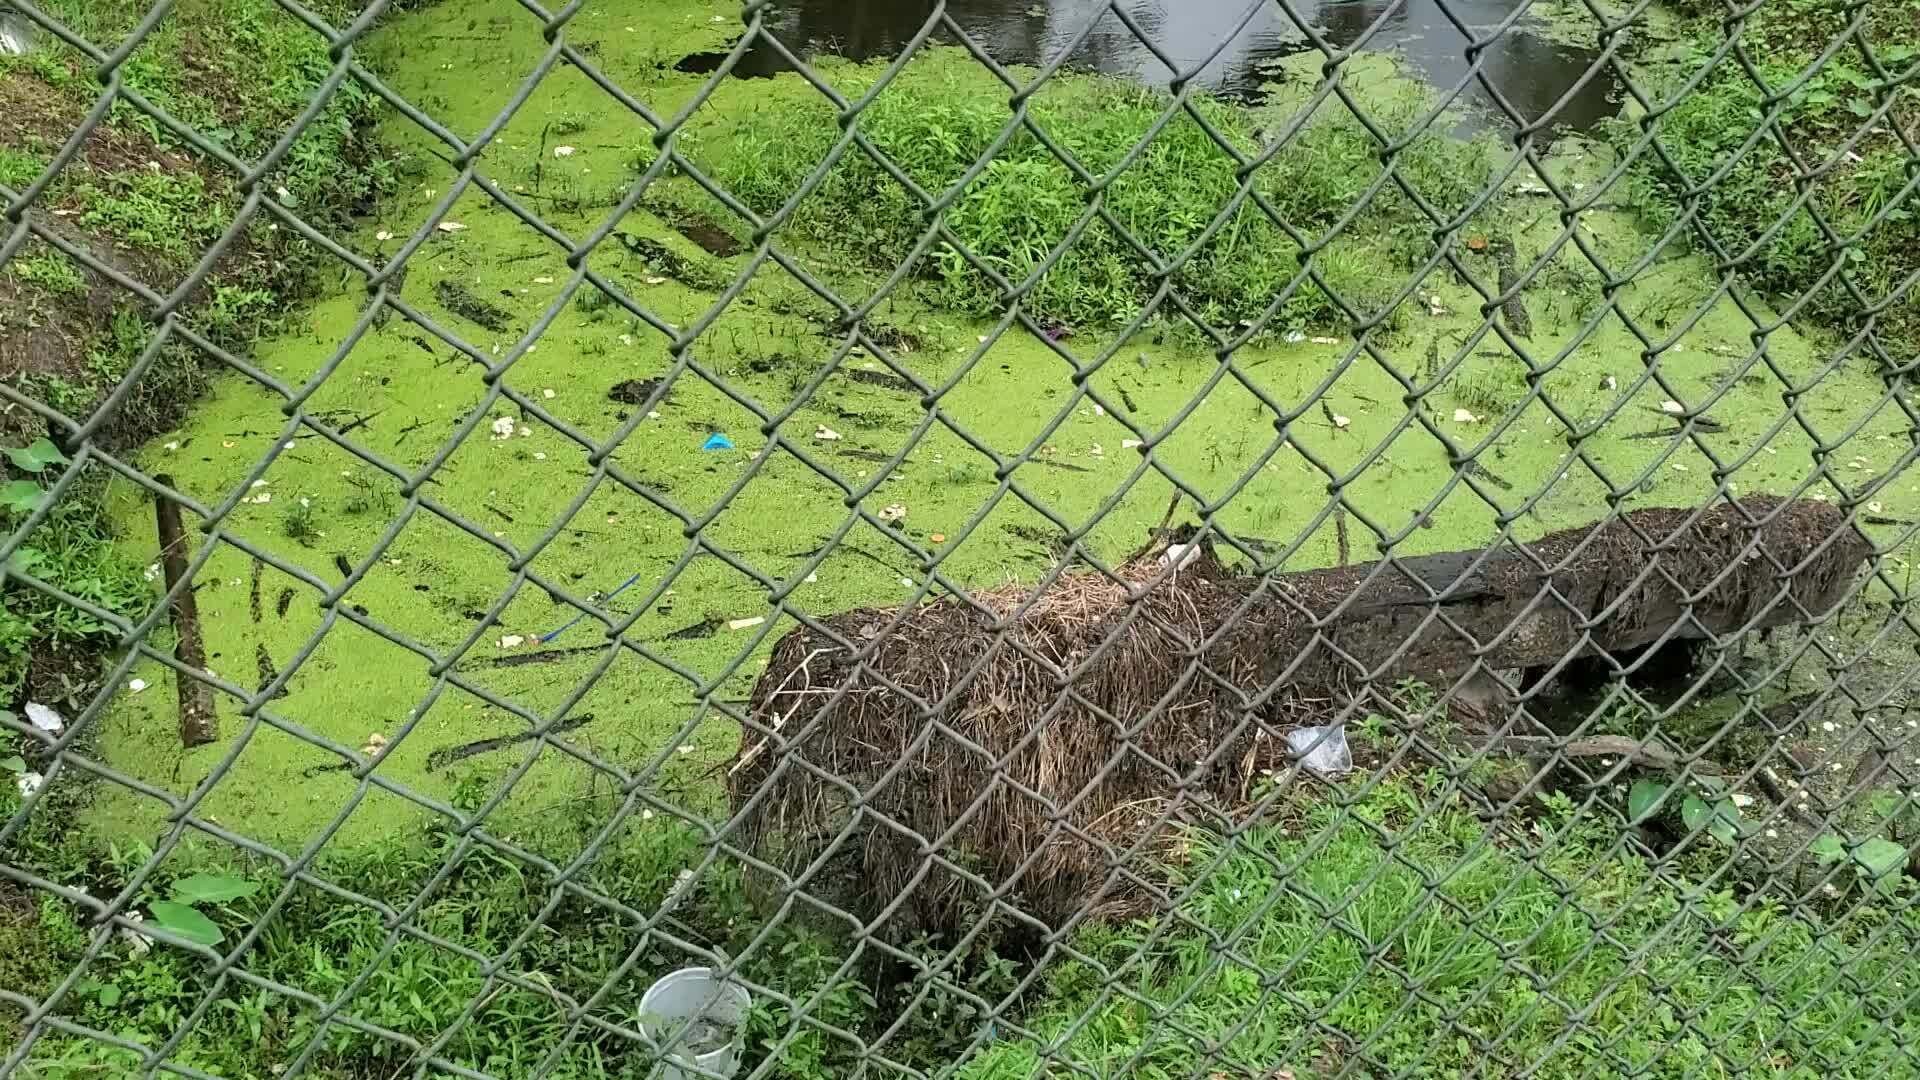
x=1594, y=759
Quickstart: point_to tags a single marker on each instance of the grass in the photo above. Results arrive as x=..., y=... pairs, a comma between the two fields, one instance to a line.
x=941, y=116
x=1300, y=942
x=1558, y=950
x=1684, y=978
x=239, y=71
x=1834, y=123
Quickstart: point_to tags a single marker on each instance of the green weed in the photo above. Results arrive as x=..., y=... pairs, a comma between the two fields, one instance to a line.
x=1014, y=218
x=51, y=271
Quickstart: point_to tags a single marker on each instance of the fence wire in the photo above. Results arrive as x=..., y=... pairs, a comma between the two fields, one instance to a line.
x=886, y=854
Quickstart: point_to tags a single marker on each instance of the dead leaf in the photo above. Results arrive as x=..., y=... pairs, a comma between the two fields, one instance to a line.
x=450, y=226
x=1462, y=416
x=825, y=433
x=894, y=512
x=1476, y=243
x=1672, y=408
x=938, y=538
x=742, y=624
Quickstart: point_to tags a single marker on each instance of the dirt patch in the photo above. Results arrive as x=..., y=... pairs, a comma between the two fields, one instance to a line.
x=663, y=259
x=462, y=301
x=701, y=231
x=634, y=391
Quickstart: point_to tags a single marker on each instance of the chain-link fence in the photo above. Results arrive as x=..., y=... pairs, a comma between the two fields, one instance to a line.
x=1325, y=570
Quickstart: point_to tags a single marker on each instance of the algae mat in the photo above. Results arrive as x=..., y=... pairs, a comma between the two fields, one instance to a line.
x=812, y=507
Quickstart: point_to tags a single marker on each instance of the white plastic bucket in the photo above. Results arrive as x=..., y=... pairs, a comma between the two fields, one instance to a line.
x=693, y=996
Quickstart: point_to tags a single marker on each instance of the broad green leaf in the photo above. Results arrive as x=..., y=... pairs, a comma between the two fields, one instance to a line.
x=1694, y=813
x=1642, y=798
x=36, y=456
x=1880, y=857
x=13, y=763
x=185, y=921
x=109, y=994
x=211, y=889
x=1827, y=848
x=1726, y=822
x=21, y=495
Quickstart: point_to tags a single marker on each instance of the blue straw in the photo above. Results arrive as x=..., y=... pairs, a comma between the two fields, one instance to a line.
x=549, y=636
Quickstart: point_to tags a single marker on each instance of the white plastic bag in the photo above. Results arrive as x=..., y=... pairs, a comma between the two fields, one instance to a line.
x=1322, y=751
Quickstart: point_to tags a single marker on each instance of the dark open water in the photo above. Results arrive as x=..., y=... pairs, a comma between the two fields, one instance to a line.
x=1531, y=72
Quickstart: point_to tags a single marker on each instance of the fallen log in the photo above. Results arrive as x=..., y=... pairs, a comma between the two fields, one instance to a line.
x=918, y=768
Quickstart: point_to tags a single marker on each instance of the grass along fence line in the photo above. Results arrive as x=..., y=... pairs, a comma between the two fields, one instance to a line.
x=1667, y=964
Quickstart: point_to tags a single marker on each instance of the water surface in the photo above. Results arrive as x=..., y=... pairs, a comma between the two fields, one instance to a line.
x=1526, y=68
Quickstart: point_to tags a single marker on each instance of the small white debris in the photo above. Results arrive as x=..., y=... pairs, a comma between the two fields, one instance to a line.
x=1741, y=799
x=1341, y=422
x=525, y=431
x=383, y=235
x=893, y=512
x=1679, y=467
x=285, y=195
x=825, y=433
x=375, y=743
x=907, y=581
x=1097, y=410
x=173, y=446
x=45, y=718
x=512, y=641
x=1179, y=556
x=811, y=578
x=653, y=414
x=450, y=227
x=152, y=572
x=137, y=942
x=1325, y=340
x=1130, y=444
x=136, y=685
x=983, y=339
x=1463, y=416
x=626, y=339
x=1873, y=508
x=1837, y=766
x=503, y=428
x=1773, y=834
x=288, y=445
x=1827, y=726
x=655, y=280
x=543, y=281
x=29, y=782
x=539, y=456
x=1294, y=337
x=1672, y=408
x=258, y=484
x=1096, y=451
x=742, y=624
x=563, y=151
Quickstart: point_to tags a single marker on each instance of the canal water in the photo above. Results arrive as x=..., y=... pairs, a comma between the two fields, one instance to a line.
x=1535, y=74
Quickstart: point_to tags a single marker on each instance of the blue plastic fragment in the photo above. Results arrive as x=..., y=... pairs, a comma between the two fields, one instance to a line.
x=717, y=441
